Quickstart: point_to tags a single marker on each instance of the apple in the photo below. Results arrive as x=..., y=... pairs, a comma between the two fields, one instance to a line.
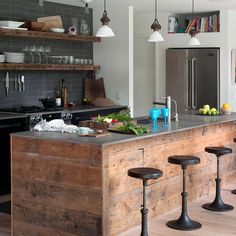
x=209, y=112
x=207, y=107
x=213, y=110
x=204, y=111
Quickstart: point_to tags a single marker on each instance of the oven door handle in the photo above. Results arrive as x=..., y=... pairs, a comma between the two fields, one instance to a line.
x=16, y=125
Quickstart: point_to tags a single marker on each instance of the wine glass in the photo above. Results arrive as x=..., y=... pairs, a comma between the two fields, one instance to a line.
x=40, y=52
x=154, y=115
x=47, y=51
x=26, y=51
x=32, y=51
x=165, y=113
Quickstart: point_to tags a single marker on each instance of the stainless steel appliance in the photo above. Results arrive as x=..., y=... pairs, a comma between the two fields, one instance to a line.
x=34, y=114
x=193, y=77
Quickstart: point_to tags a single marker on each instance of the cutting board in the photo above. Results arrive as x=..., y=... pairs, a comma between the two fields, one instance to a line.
x=95, y=135
x=94, y=88
x=51, y=22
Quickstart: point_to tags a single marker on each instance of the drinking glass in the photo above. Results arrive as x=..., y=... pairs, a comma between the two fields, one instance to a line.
x=32, y=51
x=165, y=113
x=40, y=52
x=154, y=115
x=26, y=50
x=47, y=51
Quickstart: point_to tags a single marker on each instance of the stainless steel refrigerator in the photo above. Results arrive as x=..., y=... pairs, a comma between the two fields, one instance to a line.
x=193, y=77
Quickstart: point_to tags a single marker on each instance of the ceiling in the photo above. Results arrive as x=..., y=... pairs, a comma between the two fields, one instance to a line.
x=172, y=6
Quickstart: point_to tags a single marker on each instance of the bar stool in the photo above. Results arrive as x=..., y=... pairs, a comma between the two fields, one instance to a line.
x=184, y=222
x=218, y=204
x=145, y=174
x=234, y=191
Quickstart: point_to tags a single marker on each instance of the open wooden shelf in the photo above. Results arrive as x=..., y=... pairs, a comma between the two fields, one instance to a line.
x=49, y=67
x=48, y=35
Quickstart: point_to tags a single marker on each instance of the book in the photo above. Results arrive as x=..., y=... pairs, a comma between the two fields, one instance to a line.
x=206, y=24
x=203, y=23
x=198, y=24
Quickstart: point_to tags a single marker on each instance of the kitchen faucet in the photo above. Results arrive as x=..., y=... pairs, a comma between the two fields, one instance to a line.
x=167, y=104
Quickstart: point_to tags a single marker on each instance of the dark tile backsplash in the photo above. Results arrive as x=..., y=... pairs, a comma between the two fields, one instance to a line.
x=37, y=83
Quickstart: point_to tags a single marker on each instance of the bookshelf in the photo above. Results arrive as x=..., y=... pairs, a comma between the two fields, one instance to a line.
x=204, y=22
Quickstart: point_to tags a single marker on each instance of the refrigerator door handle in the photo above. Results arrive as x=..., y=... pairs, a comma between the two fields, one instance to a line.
x=193, y=84
x=188, y=83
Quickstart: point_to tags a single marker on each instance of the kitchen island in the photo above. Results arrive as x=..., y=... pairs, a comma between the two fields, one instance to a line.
x=63, y=184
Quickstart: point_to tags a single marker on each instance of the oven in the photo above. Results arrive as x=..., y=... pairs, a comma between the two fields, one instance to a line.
x=8, y=126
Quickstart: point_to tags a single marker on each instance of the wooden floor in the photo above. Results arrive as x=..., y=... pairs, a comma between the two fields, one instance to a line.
x=213, y=223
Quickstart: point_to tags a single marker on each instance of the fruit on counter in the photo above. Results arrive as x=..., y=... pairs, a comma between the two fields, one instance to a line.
x=107, y=120
x=207, y=110
x=226, y=106
x=207, y=107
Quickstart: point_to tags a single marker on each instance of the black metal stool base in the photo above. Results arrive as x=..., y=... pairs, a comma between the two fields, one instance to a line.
x=184, y=223
x=233, y=191
x=218, y=207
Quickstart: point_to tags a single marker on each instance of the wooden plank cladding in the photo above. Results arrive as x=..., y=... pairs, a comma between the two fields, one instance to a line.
x=69, y=189
x=56, y=188
x=51, y=67
x=48, y=35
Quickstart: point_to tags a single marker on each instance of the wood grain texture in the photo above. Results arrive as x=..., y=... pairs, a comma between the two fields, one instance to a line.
x=50, y=67
x=48, y=35
x=85, y=190
x=56, y=187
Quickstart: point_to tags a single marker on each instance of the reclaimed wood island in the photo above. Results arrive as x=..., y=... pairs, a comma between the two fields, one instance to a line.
x=67, y=185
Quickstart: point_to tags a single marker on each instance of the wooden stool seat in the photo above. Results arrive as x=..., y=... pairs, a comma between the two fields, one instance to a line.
x=144, y=173
x=218, y=151
x=218, y=204
x=184, y=160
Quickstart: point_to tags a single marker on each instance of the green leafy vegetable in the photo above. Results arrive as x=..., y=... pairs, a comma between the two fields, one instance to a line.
x=134, y=129
x=122, y=116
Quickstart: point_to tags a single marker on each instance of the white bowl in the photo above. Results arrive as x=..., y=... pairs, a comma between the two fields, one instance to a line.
x=14, y=24
x=57, y=30
x=14, y=57
x=226, y=111
x=2, y=58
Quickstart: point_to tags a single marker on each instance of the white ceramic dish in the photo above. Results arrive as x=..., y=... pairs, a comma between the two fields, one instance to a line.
x=226, y=111
x=5, y=27
x=13, y=24
x=14, y=57
x=2, y=58
x=57, y=30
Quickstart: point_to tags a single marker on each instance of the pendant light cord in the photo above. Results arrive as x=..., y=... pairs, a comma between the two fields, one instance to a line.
x=105, y=5
x=155, y=9
x=192, y=6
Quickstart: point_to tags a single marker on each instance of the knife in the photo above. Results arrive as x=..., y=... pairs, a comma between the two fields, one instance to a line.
x=23, y=82
x=19, y=84
x=15, y=84
x=7, y=84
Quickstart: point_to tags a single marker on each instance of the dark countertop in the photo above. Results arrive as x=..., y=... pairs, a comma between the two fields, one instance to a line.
x=186, y=121
x=11, y=115
x=78, y=109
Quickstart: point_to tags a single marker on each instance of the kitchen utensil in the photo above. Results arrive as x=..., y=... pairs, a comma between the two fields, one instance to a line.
x=7, y=84
x=2, y=58
x=14, y=24
x=57, y=30
x=14, y=57
x=15, y=84
x=19, y=84
x=51, y=22
x=49, y=100
x=23, y=82
x=36, y=26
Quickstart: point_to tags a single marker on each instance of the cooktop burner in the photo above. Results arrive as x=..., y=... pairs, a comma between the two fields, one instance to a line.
x=30, y=109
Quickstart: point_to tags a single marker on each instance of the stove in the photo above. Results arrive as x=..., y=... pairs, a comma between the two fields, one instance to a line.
x=35, y=114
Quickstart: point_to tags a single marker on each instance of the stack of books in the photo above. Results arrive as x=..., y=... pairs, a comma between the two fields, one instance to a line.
x=203, y=24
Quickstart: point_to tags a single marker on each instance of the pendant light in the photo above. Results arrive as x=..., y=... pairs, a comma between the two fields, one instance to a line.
x=192, y=32
x=155, y=36
x=105, y=30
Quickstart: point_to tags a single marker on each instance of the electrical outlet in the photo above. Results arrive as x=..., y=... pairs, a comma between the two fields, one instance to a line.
x=118, y=96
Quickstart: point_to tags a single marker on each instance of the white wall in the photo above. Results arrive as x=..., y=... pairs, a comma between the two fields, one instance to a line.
x=144, y=64
x=207, y=40
x=113, y=55
x=232, y=45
